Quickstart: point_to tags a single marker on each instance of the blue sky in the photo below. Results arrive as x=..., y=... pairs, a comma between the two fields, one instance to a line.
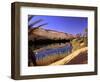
x=72, y=25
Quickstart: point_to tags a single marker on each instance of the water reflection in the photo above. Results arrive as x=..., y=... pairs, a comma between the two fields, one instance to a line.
x=44, y=54
x=37, y=47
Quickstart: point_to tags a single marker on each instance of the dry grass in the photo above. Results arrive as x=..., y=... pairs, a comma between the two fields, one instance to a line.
x=68, y=58
x=79, y=43
x=50, y=59
x=60, y=59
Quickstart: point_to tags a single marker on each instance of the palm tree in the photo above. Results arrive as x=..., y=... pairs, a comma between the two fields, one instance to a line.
x=31, y=27
x=85, y=36
x=85, y=32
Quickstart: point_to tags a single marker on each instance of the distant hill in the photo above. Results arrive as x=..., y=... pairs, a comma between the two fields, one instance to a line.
x=41, y=33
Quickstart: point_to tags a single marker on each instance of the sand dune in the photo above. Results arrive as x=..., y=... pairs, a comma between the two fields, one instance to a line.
x=41, y=33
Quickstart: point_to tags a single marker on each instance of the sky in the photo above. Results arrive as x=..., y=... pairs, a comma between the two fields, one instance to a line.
x=71, y=25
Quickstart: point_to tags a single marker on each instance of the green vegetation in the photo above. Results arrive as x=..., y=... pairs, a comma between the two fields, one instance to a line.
x=79, y=43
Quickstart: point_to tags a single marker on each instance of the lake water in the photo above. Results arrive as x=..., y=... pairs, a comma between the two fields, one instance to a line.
x=43, y=54
x=43, y=50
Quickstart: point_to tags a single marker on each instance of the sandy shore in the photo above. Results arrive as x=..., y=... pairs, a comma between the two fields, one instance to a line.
x=70, y=57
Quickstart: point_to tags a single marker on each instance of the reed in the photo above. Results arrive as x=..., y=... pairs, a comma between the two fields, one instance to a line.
x=50, y=59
